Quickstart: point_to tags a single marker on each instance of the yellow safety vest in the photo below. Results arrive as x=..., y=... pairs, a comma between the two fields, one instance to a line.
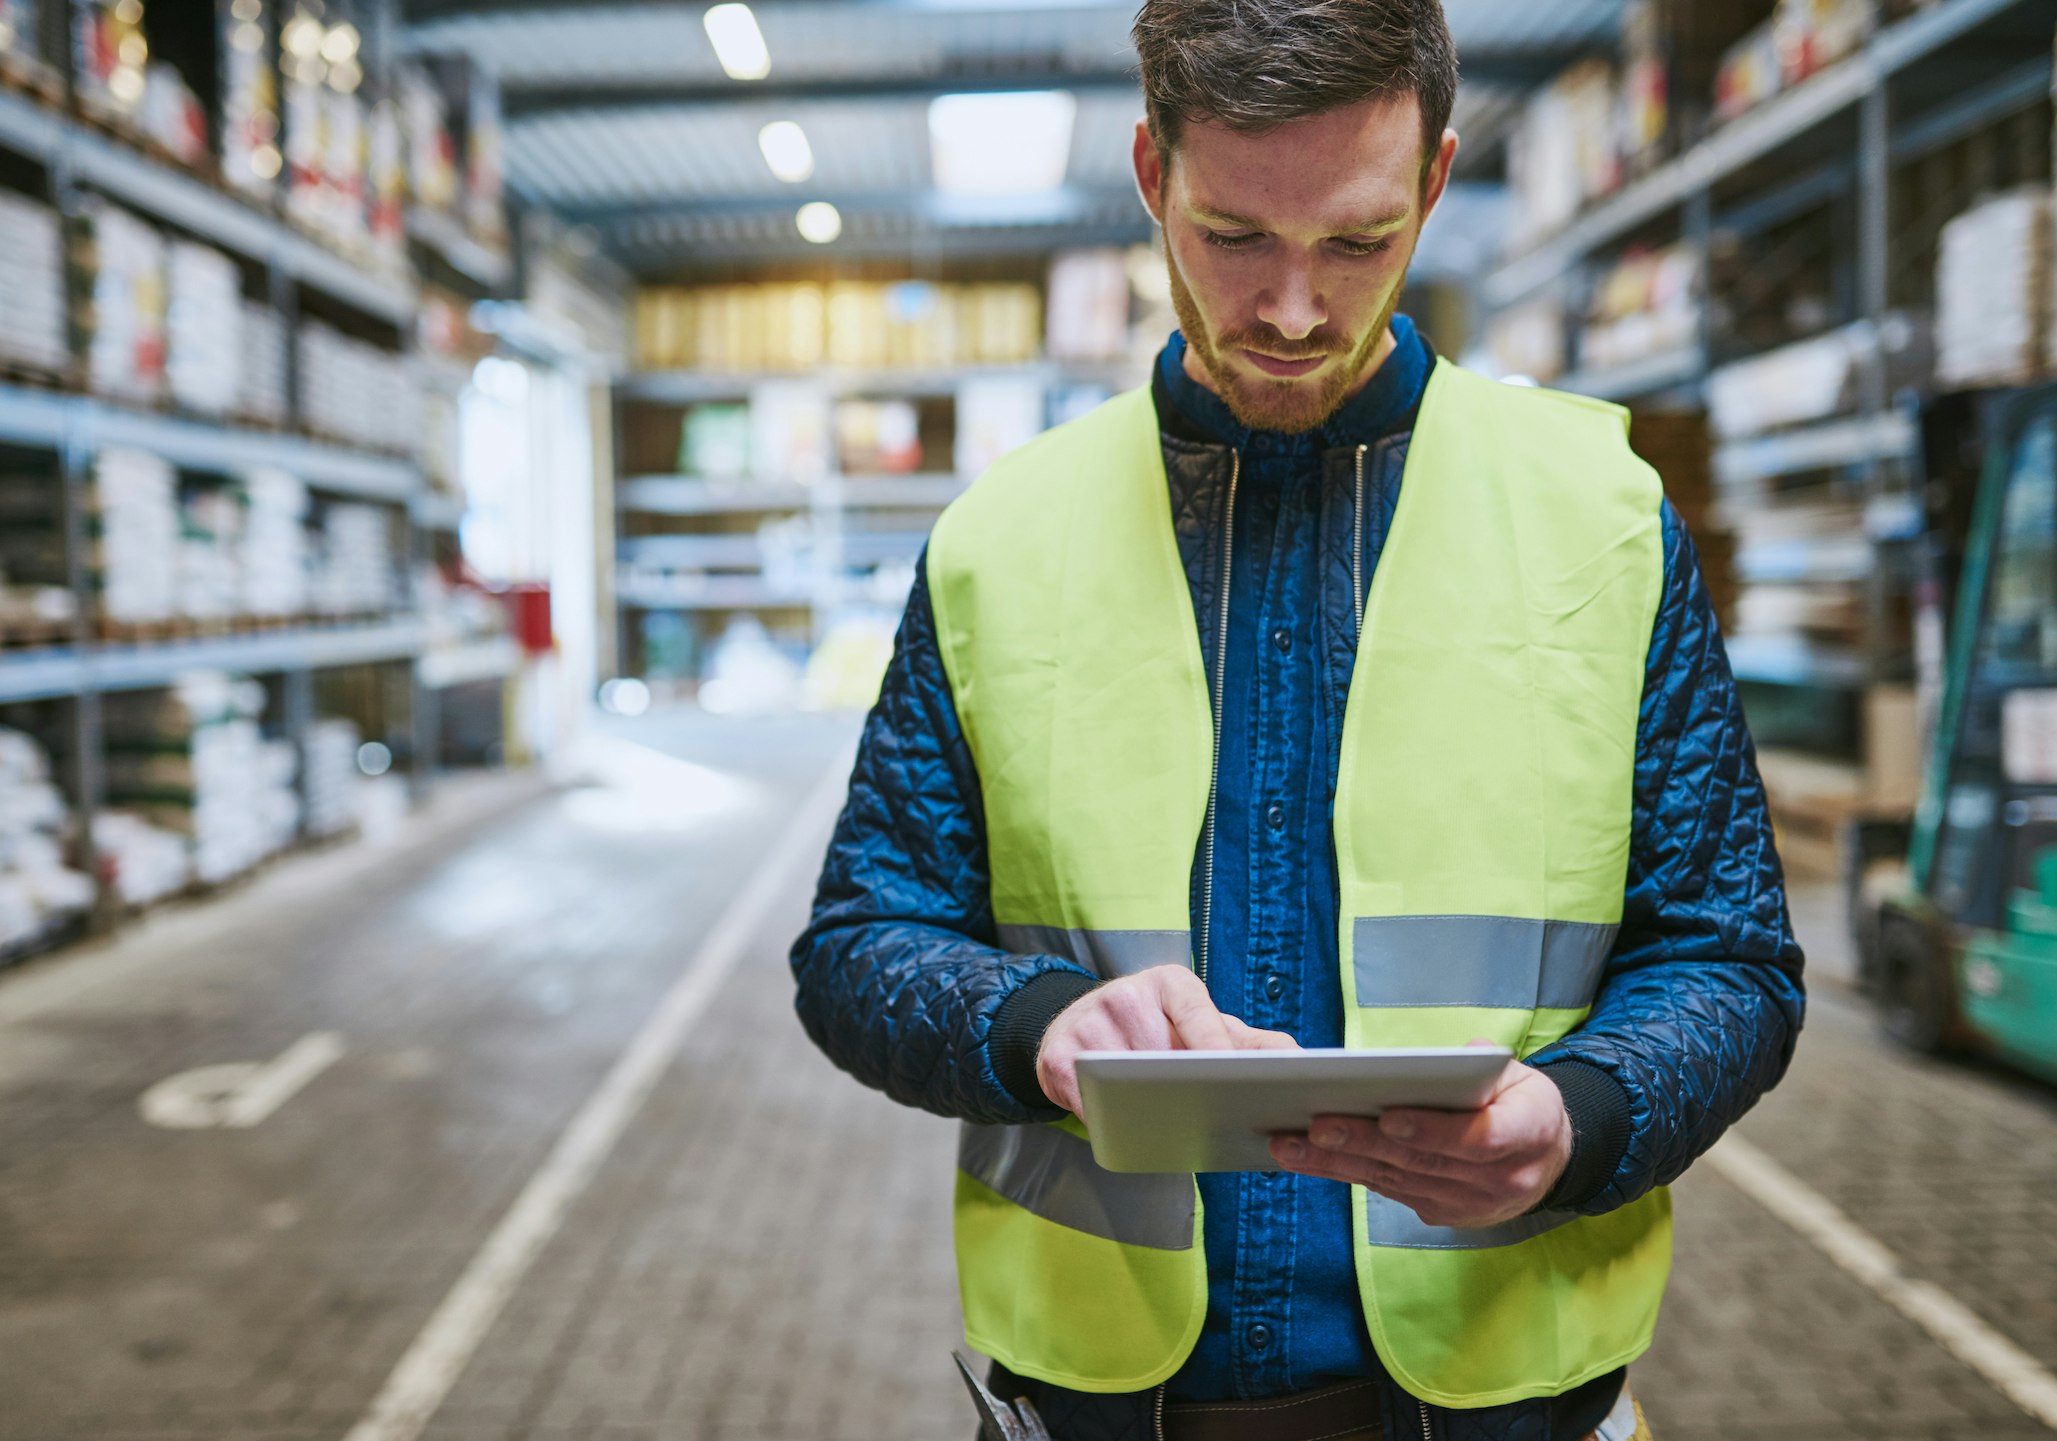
x=1481, y=832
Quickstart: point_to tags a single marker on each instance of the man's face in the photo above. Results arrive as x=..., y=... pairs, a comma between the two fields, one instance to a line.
x=1287, y=251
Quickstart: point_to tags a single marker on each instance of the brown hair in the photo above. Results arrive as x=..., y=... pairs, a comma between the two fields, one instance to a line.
x=1254, y=64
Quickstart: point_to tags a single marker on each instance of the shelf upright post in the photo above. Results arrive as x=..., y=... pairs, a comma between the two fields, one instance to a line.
x=1874, y=180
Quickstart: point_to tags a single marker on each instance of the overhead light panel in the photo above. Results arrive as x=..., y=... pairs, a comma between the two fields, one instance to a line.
x=786, y=150
x=1009, y=143
x=819, y=222
x=738, y=43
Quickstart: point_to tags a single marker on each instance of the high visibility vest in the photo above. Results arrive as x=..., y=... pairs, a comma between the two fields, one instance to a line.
x=1481, y=830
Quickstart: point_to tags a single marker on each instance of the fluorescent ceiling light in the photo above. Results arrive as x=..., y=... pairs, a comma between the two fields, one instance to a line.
x=1009, y=143
x=819, y=222
x=786, y=150
x=738, y=43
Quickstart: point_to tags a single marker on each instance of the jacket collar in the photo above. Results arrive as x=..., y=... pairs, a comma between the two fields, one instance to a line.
x=1382, y=405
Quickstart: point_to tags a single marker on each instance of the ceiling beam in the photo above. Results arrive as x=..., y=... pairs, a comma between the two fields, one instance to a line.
x=1068, y=205
x=522, y=102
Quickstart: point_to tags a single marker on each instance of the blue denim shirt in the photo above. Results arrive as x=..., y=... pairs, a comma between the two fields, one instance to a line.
x=1282, y=1309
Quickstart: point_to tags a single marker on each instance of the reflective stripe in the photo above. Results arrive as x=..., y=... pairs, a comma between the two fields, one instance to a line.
x=1052, y=1174
x=1388, y=1223
x=1501, y=962
x=1107, y=954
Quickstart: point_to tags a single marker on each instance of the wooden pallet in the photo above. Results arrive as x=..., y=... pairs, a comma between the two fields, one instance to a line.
x=31, y=376
x=131, y=632
x=27, y=76
x=18, y=635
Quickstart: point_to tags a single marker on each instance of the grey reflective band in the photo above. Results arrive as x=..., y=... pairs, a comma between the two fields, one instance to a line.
x=1052, y=1174
x=1107, y=954
x=1502, y=962
x=1388, y=1223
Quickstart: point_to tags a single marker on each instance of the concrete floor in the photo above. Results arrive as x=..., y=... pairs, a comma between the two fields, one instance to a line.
x=763, y=1251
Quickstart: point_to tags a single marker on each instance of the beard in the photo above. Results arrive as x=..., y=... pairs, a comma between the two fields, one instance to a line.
x=1265, y=402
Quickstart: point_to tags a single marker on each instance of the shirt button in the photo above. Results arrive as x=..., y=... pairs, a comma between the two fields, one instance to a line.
x=1283, y=639
x=1275, y=816
x=1259, y=1336
x=1274, y=986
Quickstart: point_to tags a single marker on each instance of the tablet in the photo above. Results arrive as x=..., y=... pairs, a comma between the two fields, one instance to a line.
x=1218, y=1110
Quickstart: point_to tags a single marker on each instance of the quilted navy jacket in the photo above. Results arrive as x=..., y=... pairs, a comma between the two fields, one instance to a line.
x=901, y=983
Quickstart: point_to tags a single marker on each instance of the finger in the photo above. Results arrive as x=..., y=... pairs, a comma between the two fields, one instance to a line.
x=1058, y=1076
x=1195, y=1022
x=1361, y=1136
x=1246, y=1037
x=1405, y=1186
x=1503, y=1127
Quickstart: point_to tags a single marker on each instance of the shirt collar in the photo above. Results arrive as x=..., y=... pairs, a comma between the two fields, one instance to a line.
x=1380, y=404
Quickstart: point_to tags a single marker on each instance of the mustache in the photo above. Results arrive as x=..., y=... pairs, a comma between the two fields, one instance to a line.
x=1270, y=342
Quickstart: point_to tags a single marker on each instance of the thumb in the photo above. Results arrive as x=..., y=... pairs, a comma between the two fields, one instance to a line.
x=1245, y=1037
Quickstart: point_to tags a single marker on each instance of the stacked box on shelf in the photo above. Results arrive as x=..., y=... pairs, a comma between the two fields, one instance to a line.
x=203, y=331
x=357, y=392
x=1679, y=447
x=194, y=760
x=140, y=862
x=1670, y=51
x=1647, y=304
x=1088, y=307
x=209, y=583
x=39, y=892
x=124, y=318
x=250, y=156
x=275, y=561
x=1565, y=151
x=34, y=590
x=261, y=377
x=858, y=324
x=135, y=512
x=1531, y=339
x=25, y=60
x=325, y=120
x=32, y=287
x=332, y=778
x=1799, y=38
x=1993, y=290
x=355, y=571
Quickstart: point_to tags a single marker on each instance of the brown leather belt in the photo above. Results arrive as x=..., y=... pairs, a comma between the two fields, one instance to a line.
x=1346, y=1411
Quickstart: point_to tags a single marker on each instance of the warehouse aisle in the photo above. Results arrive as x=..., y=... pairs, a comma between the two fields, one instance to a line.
x=762, y=1255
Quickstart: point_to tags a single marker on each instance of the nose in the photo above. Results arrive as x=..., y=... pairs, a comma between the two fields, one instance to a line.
x=1292, y=307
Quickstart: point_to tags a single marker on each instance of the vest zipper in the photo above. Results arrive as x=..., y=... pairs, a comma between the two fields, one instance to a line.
x=1426, y=1434
x=1157, y=1413
x=1228, y=561
x=1357, y=547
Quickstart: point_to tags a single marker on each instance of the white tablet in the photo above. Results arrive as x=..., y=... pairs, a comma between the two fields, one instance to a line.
x=1218, y=1110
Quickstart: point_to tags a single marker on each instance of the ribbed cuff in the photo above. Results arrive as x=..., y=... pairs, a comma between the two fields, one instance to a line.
x=1601, y=1120
x=1018, y=1026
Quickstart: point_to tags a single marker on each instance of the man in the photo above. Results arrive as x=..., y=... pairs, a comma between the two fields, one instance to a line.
x=1322, y=694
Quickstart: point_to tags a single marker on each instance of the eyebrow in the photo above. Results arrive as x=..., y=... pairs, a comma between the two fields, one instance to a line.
x=1242, y=222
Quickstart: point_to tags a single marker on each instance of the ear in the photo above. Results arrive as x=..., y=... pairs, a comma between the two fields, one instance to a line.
x=1438, y=175
x=1149, y=172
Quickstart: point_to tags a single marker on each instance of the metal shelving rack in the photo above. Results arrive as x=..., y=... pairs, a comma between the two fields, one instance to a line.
x=75, y=159
x=1917, y=86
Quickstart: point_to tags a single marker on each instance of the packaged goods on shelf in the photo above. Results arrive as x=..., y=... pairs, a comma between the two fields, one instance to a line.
x=356, y=392
x=1648, y=304
x=995, y=414
x=125, y=356
x=109, y=56
x=1530, y=339
x=790, y=431
x=261, y=375
x=38, y=891
x=1670, y=52
x=204, y=346
x=250, y=155
x=32, y=291
x=194, y=760
x=140, y=862
x=324, y=126
x=878, y=437
x=386, y=184
x=431, y=153
x=20, y=48
x=1088, y=305
x=1814, y=379
x=1564, y=151
x=856, y=324
x=714, y=442
x=275, y=560
x=209, y=578
x=354, y=567
x=485, y=207
x=170, y=116
x=1800, y=38
x=27, y=605
x=332, y=777
x=1993, y=290
x=136, y=508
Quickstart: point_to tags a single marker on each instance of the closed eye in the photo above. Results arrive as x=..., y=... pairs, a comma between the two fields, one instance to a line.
x=1362, y=247
x=1234, y=242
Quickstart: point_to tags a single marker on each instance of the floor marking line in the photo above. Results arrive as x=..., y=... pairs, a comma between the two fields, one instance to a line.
x=278, y=1080
x=424, y=1376
x=1949, y=1322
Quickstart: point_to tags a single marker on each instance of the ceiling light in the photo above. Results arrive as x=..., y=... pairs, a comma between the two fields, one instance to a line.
x=819, y=222
x=786, y=150
x=738, y=43
x=1012, y=142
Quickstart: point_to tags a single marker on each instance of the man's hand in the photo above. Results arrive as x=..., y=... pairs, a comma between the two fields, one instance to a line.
x=1165, y=1008
x=1451, y=1168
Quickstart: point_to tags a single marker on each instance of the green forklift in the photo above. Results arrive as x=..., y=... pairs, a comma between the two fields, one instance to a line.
x=1954, y=914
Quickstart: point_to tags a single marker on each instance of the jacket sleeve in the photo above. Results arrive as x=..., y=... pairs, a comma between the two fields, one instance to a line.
x=1702, y=1000
x=898, y=977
